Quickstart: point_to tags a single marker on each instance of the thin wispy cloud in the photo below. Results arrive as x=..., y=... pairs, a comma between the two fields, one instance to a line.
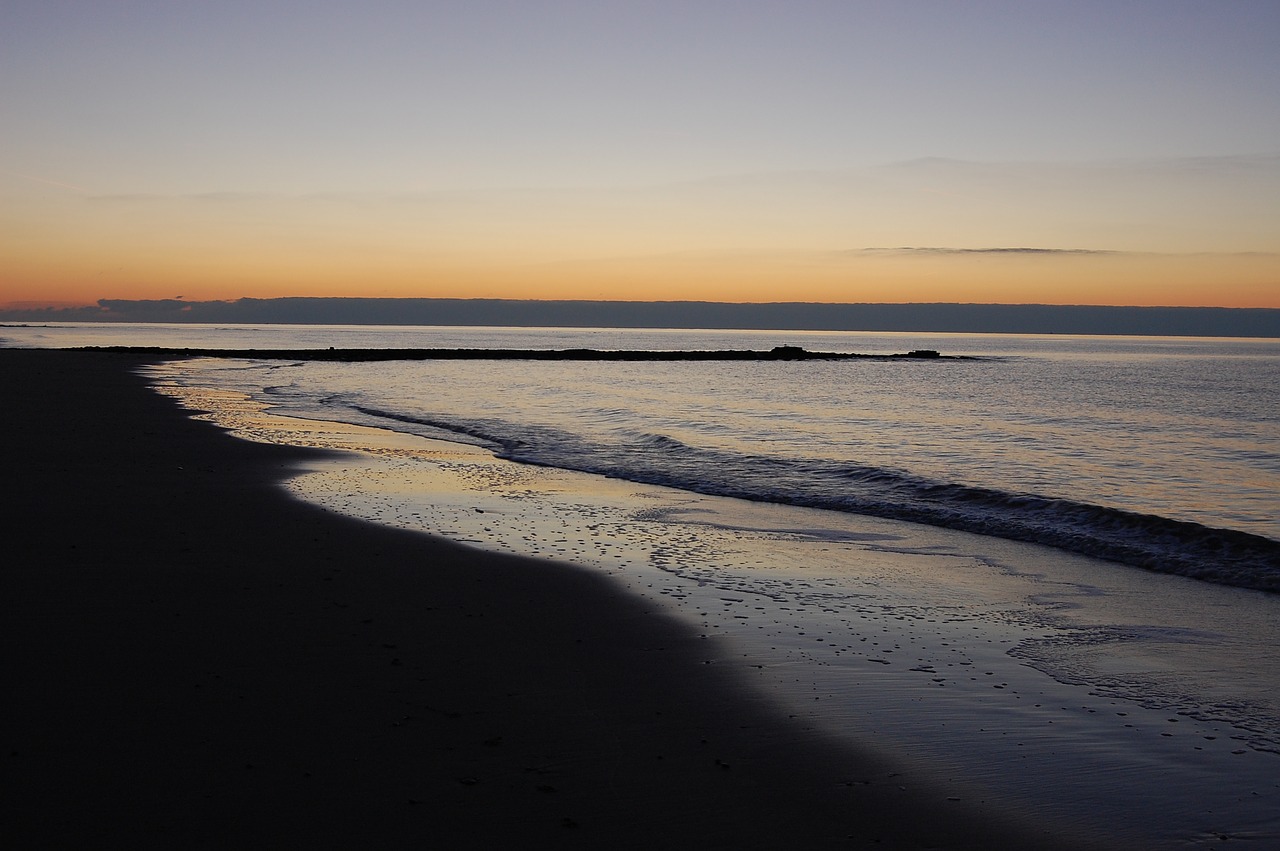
x=200, y=197
x=934, y=251
x=45, y=181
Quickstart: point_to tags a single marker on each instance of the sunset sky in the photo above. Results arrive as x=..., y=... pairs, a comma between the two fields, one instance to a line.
x=1055, y=152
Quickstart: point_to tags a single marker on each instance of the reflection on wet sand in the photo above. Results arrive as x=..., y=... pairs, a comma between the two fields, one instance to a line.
x=1046, y=679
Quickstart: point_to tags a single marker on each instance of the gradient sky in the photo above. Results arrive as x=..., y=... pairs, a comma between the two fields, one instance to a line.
x=733, y=151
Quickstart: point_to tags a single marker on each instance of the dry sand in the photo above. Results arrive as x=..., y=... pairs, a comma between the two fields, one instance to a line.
x=195, y=659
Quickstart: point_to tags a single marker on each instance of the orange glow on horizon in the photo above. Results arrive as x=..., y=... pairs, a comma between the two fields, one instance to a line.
x=1193, y=281
x=682, y=245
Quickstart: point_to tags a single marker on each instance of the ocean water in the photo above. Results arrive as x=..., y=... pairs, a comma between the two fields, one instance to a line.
x=1062, y=553
x=1161, y=453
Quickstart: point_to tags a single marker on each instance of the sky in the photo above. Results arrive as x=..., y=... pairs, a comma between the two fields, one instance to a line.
x=1016, y=152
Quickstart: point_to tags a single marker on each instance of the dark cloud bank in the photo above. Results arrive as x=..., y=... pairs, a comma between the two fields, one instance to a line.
x=971, y=318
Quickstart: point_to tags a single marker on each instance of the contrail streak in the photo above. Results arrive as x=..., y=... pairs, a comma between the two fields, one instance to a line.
x=48, y=182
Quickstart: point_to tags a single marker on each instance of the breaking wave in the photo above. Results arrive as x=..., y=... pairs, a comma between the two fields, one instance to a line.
x=1146, y=541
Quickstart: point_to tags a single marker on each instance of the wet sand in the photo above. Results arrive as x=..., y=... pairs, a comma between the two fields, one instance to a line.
x=196, y=659
x=1127, y=703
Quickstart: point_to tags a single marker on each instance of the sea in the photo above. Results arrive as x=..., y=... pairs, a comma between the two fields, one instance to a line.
x=1063, y=551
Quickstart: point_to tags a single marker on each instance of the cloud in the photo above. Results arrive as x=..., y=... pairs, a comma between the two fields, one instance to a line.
x=930, y=251
x=127, y=198
x=201, y=197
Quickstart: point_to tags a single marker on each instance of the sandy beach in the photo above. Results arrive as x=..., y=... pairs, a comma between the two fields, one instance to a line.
x=196, y=659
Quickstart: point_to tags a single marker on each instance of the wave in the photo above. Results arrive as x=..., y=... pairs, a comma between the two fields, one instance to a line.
x=1140, y=540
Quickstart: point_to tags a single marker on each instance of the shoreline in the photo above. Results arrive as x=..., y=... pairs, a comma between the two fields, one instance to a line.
x=200, y=659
